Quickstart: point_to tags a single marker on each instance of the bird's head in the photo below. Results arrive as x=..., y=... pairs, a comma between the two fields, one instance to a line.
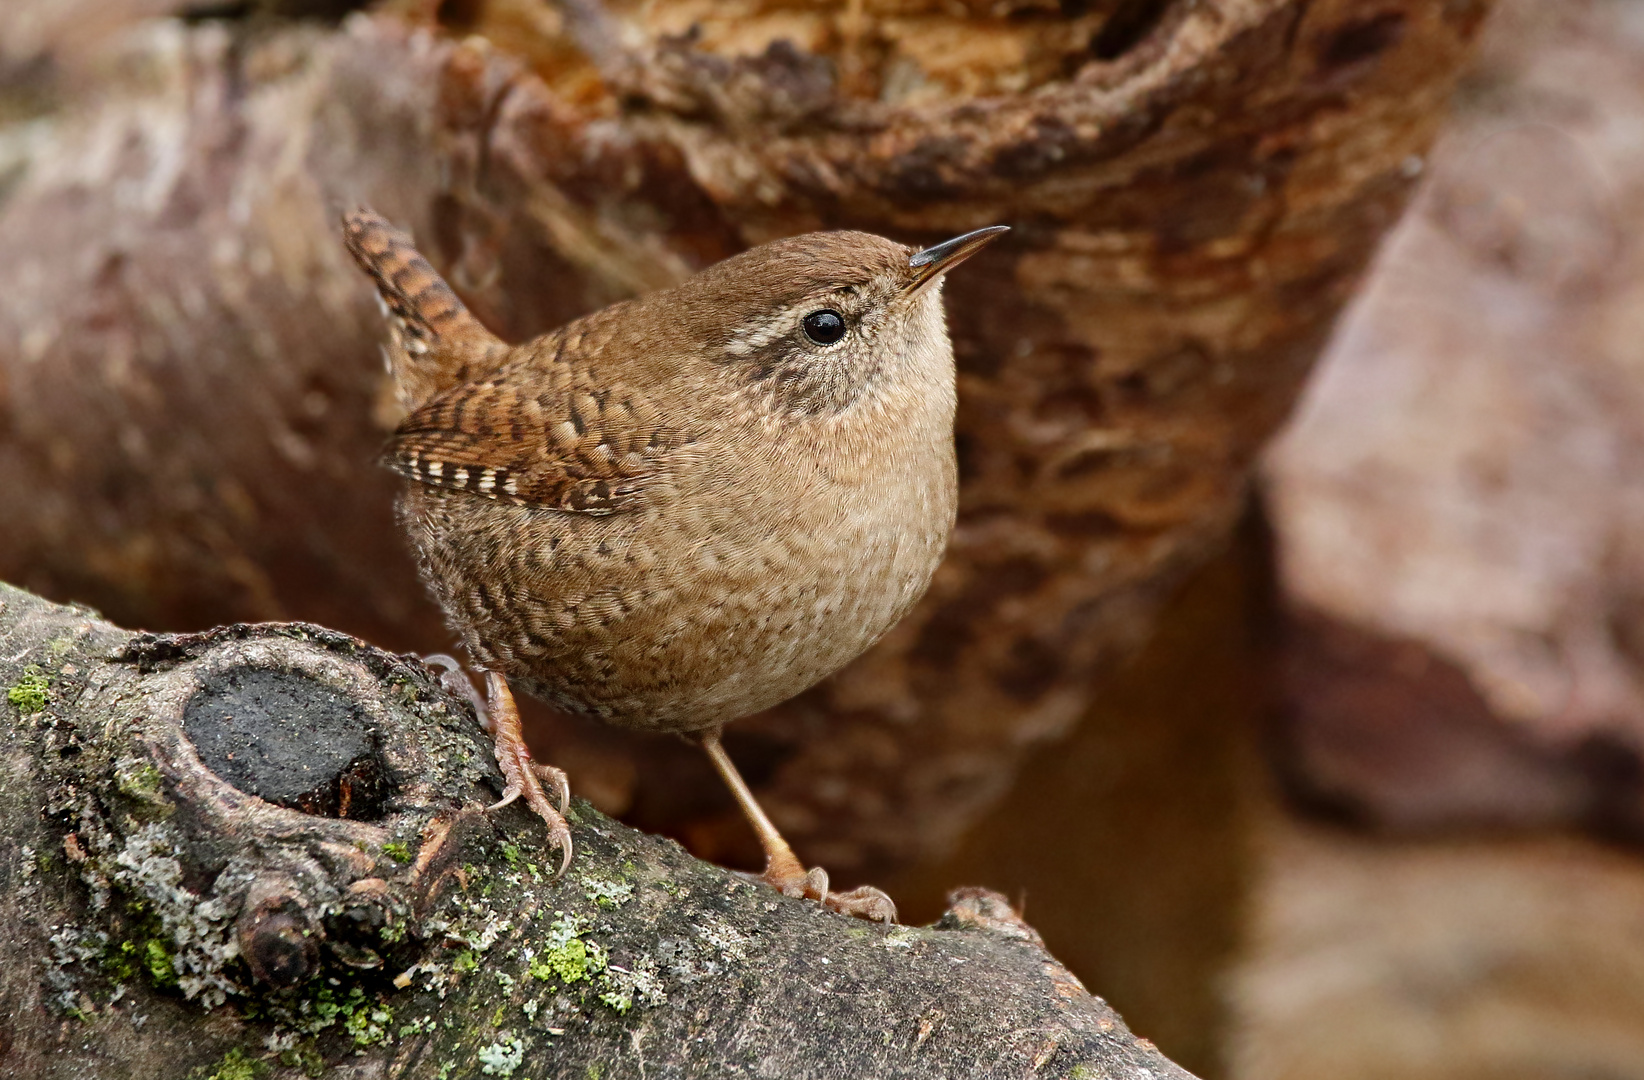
x=822, y=319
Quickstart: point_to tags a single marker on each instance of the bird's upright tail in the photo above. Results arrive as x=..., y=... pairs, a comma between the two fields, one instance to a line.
x=435, y=342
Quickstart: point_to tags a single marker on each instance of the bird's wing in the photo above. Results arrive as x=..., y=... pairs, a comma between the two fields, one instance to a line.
x=563, y=448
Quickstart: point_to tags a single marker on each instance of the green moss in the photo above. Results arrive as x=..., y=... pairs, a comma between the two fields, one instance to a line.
x=571, y=962
x=569, y=959
x=326, y=1010
x=157, y=958
x=305, y=1059
x=397, y=851
x=236, y=1066
x=511, y=853
x=120, y=961
x=30, y=692
x=368, y=1024
x=366, y=1021
x=466, y=961
x=417, y=1026
x=139, y=779
x=594, y=1071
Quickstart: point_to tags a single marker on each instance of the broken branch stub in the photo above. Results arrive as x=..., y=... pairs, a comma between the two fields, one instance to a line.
x=267, y=845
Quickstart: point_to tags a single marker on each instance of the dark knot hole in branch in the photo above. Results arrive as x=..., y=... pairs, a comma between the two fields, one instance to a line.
x=289, y=739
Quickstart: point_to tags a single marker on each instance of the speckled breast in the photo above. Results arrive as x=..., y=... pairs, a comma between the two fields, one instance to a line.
x=691, y=611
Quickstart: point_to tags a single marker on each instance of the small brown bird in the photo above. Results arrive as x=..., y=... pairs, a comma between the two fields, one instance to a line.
x=684, y=508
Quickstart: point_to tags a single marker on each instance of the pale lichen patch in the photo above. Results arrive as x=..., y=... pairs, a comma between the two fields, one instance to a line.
x=200, y=929
x=503, y=1057
x=607, y=894
x=641, y=984
x=72, y=950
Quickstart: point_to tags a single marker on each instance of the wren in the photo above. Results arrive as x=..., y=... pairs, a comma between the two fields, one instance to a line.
x=686, y=507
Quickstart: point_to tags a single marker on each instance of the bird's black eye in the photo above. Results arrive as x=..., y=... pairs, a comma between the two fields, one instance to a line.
x=824, y=327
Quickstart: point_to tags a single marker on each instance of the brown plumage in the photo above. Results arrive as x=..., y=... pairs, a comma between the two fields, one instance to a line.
x=686, y=507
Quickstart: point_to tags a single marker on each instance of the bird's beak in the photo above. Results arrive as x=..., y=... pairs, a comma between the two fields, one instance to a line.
x=929, y=265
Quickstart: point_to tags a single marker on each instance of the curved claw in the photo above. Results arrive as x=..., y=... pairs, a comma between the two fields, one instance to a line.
x=561, y=838
x=455, y=680
x=556, y=776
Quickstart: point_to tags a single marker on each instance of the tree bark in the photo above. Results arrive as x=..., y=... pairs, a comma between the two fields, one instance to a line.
x=264, y=851
x=191, y=402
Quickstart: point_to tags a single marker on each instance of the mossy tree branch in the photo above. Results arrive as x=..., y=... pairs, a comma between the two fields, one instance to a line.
x=262, y=851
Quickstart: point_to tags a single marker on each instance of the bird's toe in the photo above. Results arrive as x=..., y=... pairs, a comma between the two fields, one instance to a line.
x=556, y=779
x=864, y=902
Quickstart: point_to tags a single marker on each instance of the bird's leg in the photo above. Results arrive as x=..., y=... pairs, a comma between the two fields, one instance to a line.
x=523, y=775
x=783, y=870
x=455, y=679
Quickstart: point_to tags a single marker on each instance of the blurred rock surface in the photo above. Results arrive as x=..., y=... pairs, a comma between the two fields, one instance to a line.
x=1459, y=520
x=1459, y=505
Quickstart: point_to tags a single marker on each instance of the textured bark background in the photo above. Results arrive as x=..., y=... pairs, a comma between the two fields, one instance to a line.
x=263, y=852
x=190, y=401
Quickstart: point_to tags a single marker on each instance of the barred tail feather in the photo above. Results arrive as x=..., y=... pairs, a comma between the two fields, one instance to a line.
x=435, y=342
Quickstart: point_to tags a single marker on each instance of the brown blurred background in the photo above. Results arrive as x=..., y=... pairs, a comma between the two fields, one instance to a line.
x=1319, y=753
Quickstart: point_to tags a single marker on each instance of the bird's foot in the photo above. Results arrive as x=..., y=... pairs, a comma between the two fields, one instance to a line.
x=783, y=870
x=524, y=777
x=863, y=902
